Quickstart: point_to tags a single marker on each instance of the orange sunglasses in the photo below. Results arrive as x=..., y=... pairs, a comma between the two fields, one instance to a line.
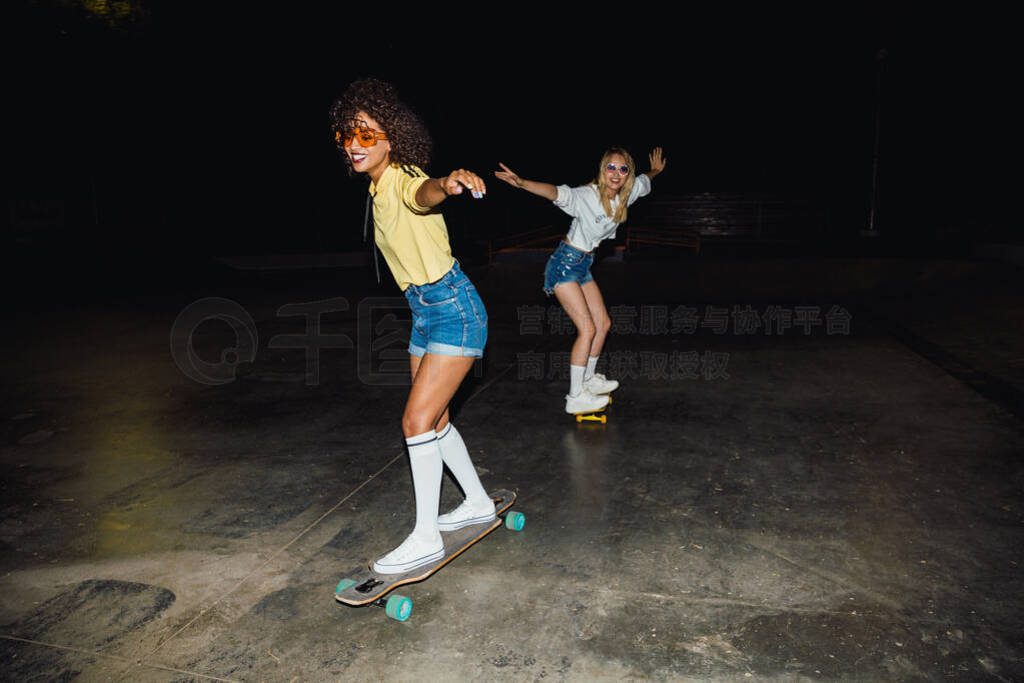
x=367, y=136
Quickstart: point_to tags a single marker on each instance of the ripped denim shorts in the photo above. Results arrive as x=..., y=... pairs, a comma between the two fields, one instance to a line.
x=567, y=264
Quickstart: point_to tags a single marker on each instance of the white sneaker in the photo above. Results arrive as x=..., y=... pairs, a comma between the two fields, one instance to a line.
x=586, y=402
x=464, y=515
x=599, y=384
x=411, y=554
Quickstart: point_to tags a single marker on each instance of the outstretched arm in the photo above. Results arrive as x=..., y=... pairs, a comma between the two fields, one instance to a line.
x=657, y=163
x=433, y=191
x=546, y=190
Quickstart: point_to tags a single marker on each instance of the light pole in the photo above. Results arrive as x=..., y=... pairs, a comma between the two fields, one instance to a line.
x=872, y=231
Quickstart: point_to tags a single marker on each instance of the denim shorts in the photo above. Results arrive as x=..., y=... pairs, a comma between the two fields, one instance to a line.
x=448, y=317
x=567, y=264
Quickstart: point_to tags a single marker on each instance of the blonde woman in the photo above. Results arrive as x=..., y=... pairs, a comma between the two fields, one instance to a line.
x=597, y=209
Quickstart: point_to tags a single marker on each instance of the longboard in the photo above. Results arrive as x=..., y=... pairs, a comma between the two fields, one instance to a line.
x=371, y=587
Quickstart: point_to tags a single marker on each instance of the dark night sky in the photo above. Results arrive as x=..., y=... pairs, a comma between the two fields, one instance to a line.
x=207, y=132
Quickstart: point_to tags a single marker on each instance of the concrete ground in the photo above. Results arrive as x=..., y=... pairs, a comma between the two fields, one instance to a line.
x=812, y=470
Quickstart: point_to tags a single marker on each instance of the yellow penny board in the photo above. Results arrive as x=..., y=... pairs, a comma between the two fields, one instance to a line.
x=595, y=415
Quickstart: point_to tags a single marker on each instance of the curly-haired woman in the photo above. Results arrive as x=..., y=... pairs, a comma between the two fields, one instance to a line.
x=381, y=137
x=597, y=210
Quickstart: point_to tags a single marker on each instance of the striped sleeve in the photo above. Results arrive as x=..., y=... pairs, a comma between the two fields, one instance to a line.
x=409, y=180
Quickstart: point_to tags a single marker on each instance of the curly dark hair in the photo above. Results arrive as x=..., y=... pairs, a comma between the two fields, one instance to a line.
x=409, y=138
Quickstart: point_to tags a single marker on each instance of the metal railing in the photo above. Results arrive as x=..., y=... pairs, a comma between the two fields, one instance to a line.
x=543, y=238
x=690, y=221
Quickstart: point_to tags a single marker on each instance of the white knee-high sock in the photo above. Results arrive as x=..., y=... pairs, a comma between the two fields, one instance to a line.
x=591, y=366
x=425, y=460
x=576, y=373
x=456, y=456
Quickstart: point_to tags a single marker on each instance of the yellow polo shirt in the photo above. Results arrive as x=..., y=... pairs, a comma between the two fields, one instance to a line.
x=412, y=238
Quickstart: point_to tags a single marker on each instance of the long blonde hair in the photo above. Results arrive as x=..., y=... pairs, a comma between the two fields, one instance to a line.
x=624, y=191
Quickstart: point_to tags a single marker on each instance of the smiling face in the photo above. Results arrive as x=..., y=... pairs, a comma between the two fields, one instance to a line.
x=615, y=178
x=372, y=159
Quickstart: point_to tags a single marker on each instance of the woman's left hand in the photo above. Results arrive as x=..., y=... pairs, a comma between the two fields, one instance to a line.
x=461, y=178
x=657, y=161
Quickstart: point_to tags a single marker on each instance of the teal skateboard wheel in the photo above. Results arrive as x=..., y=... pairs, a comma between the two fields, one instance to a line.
x=515, y=521
x=343, y=584
x=398, y=607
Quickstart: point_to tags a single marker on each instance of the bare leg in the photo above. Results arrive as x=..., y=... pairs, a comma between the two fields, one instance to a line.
x=414, y=366
x=436, y=381
x=599, y=314
x=570, y=295
x=477, y=507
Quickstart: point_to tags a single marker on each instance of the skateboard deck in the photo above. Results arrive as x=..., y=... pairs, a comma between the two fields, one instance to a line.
x=371, y=587
x=595, y=415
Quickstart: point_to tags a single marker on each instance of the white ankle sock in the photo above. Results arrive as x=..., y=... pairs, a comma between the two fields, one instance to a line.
x=576, y=373
x=456, y=456
x=591, y=366
x=425, y=460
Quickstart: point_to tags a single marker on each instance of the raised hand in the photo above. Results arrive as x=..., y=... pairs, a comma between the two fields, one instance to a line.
x=657, y=161
x=509, y=176
x=461, y=178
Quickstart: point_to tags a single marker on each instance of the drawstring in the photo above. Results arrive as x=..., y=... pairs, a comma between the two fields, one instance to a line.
x=366, y=233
